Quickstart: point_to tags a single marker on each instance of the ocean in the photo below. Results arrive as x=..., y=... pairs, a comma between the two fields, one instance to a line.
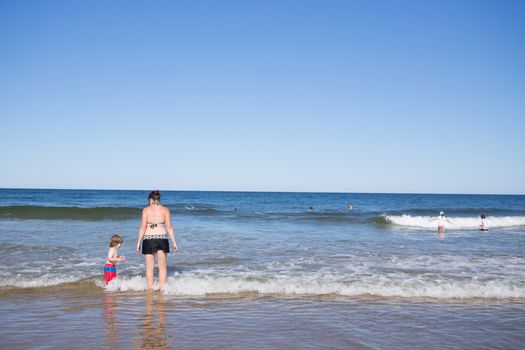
x=266, y=271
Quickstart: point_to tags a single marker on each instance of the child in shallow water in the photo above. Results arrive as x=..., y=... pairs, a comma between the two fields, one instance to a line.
x=110, y=267
x=441, y=222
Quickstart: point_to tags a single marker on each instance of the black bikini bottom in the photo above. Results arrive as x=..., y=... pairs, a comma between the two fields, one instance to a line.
x=153, y=245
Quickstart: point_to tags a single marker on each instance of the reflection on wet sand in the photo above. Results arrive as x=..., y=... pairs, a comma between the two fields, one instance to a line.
x=152, y=331
x=110, y=315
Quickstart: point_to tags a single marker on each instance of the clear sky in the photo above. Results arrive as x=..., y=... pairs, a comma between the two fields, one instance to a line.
x=342, y=96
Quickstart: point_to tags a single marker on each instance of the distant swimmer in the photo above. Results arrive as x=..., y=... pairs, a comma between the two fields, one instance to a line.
x=189, y=208
x=311, y=208
x=350, y=207
x=441, y=222
x=483, y=225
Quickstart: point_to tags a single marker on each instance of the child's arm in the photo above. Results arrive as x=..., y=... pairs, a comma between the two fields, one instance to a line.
x=113, y=256
x=115, y=260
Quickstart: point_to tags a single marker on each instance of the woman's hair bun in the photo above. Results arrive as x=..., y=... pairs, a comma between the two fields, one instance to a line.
x=155, y=195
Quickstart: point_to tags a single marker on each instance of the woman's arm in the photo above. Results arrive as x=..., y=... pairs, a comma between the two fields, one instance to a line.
x=169, y=226
x=142, y=229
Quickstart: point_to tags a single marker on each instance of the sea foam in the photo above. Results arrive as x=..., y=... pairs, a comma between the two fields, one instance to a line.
x=430, y=222
x=288, y=286
x=37, y=282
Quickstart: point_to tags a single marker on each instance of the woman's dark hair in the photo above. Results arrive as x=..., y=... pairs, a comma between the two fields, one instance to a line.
x=483, y=216
x=155, y=195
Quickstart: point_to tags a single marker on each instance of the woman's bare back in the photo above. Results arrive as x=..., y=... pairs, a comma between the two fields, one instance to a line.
x=156, y=214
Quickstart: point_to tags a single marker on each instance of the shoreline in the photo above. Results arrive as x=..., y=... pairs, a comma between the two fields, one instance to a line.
x=152, y=320
x=96, y=286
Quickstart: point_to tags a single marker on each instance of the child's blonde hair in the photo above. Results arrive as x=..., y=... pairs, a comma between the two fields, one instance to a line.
x=115, y=239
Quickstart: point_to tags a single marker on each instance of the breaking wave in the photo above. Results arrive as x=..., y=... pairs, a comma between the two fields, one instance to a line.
x=204, y=283
x=429, y=222
x=287, y=286
x=39, y=282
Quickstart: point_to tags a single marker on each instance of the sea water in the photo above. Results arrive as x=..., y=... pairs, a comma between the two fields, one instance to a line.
x=305, y=256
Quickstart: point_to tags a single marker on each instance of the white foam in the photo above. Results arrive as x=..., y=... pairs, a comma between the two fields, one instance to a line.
x=380, y=286
x=430, y=222
x=128, y=284
x=35, y=282
x=396, y=283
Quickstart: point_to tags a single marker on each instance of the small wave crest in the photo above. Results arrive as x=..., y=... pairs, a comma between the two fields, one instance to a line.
x=205, y=285
x=201, y=284
x=38, y=282
x=430, y=222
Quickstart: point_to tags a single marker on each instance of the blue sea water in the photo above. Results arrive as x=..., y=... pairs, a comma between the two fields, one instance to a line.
x=287, y=244
x=265, y=270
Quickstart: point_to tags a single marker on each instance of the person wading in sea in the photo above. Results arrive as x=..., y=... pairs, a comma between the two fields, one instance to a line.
x=156, y=220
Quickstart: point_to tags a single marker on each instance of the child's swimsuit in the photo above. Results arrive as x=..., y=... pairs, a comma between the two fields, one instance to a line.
x=110, y=272
x=155, y=240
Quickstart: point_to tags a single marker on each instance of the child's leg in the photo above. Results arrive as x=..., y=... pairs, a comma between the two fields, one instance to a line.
x=163, y=273
x=150, y=266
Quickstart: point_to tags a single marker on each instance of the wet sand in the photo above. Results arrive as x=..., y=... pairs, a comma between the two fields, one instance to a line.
x=89, y=317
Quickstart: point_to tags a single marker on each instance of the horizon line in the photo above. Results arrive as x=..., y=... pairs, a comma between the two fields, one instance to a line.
x=258, y=191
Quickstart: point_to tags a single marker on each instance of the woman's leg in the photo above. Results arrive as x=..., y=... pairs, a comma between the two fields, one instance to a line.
x=150, y=267
x=163, y=273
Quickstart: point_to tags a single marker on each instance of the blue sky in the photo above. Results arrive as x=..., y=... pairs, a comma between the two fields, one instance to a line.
x=343, y=96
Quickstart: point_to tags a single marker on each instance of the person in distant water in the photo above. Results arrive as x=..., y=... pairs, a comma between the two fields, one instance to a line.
x=110, y=267
x=350, y=207
x=156, y=220
x=483, y=225
x=441, y=222
x=311, y=208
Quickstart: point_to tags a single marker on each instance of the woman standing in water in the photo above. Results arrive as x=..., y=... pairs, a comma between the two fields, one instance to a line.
x=156, y=220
